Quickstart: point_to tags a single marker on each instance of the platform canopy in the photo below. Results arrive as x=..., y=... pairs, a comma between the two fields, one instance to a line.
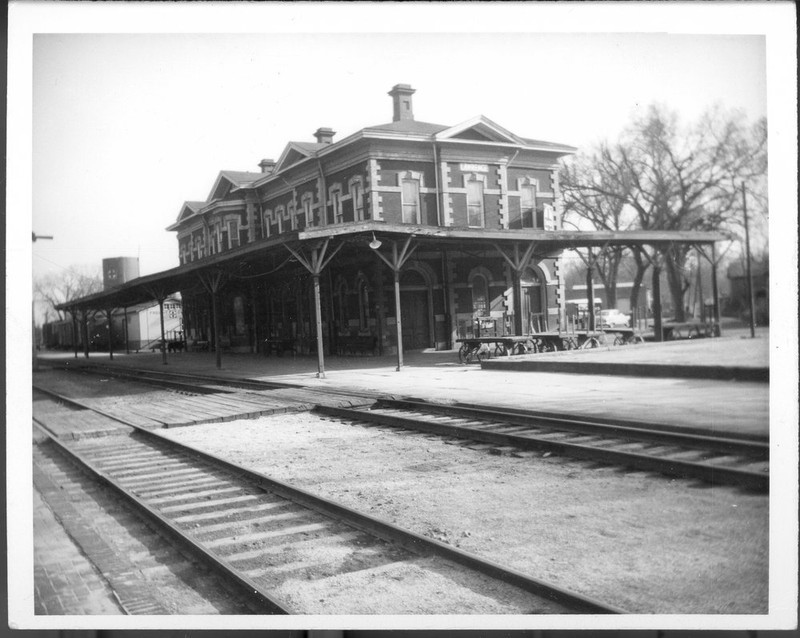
x=268, y=256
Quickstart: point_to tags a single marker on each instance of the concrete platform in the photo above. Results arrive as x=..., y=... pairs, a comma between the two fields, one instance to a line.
x=706, y=403
x=725, y=358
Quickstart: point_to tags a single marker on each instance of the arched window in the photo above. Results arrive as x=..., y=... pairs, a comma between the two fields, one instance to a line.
x=480, y=296
x=280, y=211
x=340, y=304
x=363, y=304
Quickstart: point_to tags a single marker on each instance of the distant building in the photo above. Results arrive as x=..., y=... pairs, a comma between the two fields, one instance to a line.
x=737, y=303
x=577, y=294
x=143, y=321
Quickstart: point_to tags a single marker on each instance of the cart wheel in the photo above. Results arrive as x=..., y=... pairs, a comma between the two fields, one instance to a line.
x=619, y=340
x=591, y=342
x=636, y=339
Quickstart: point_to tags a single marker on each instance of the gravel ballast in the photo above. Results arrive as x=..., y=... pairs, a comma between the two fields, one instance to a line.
x=642, y=542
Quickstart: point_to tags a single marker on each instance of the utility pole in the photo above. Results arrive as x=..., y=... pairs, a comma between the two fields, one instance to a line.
x=34, y=237
x=750, y=297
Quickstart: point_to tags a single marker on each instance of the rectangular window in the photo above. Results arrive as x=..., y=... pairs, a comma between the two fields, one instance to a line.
x=528, y=206
x=307, y=210
x=336, y=204
x=233, y=234
x=475, y=204
x=292, y=216
x=410, y=201
x=357, y=193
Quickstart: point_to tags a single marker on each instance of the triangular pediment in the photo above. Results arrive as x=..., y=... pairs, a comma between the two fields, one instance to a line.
x=222, y=186
x=292, y=154
x=188, y=209
x=479, y=129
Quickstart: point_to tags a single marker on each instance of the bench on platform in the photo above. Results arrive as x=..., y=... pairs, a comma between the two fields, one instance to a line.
x=363, y=345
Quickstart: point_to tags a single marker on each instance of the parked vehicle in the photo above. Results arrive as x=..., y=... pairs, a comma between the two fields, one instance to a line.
x=613, y=318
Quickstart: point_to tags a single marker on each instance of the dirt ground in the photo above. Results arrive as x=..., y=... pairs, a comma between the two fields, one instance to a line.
x=644, y=543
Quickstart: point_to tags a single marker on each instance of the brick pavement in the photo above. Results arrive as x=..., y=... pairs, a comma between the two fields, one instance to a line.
x=65, y=581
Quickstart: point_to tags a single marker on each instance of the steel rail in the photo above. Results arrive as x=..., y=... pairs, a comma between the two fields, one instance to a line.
x=640, y=432
x=412, y=541
x=707, y=472
x=243, y=383
x=246, y=585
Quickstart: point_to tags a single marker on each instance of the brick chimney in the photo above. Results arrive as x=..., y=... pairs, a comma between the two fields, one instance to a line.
x=324, y=135
x=267, y=165
x=401, y=100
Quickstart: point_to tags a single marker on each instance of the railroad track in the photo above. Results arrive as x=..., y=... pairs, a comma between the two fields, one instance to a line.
x=198, y=383
x=717, y=460
x=276, y=542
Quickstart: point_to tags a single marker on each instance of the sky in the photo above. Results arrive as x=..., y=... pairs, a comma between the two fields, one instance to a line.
x=128, y=126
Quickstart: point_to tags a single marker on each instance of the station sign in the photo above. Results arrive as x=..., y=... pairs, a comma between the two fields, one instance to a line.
x=474, y=168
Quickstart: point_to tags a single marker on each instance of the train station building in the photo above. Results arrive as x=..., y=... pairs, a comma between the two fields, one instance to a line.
x=403, y=235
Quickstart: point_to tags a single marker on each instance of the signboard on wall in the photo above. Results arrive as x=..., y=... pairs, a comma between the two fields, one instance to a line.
x=474, y=168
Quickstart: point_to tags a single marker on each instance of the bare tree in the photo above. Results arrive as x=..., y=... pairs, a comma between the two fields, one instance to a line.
x=584, y=182
x=56, y=288
x=674, y=178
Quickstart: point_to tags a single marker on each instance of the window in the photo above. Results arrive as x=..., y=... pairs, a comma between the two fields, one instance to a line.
x=307, y=208
x=410, y=196
x=357, y=194
x=528, y=205
x=292, y=216
x=480, y=296
x=233, y=234
x=363, y=304
x=474, y=203
x=336, y=205
x=267, y=229
x=279, y=212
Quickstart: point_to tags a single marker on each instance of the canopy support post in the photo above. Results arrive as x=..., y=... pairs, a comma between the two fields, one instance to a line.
x=125, y=329
x=396, y=264
x=315, y=265
x=110, y=335
x=75, y=334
